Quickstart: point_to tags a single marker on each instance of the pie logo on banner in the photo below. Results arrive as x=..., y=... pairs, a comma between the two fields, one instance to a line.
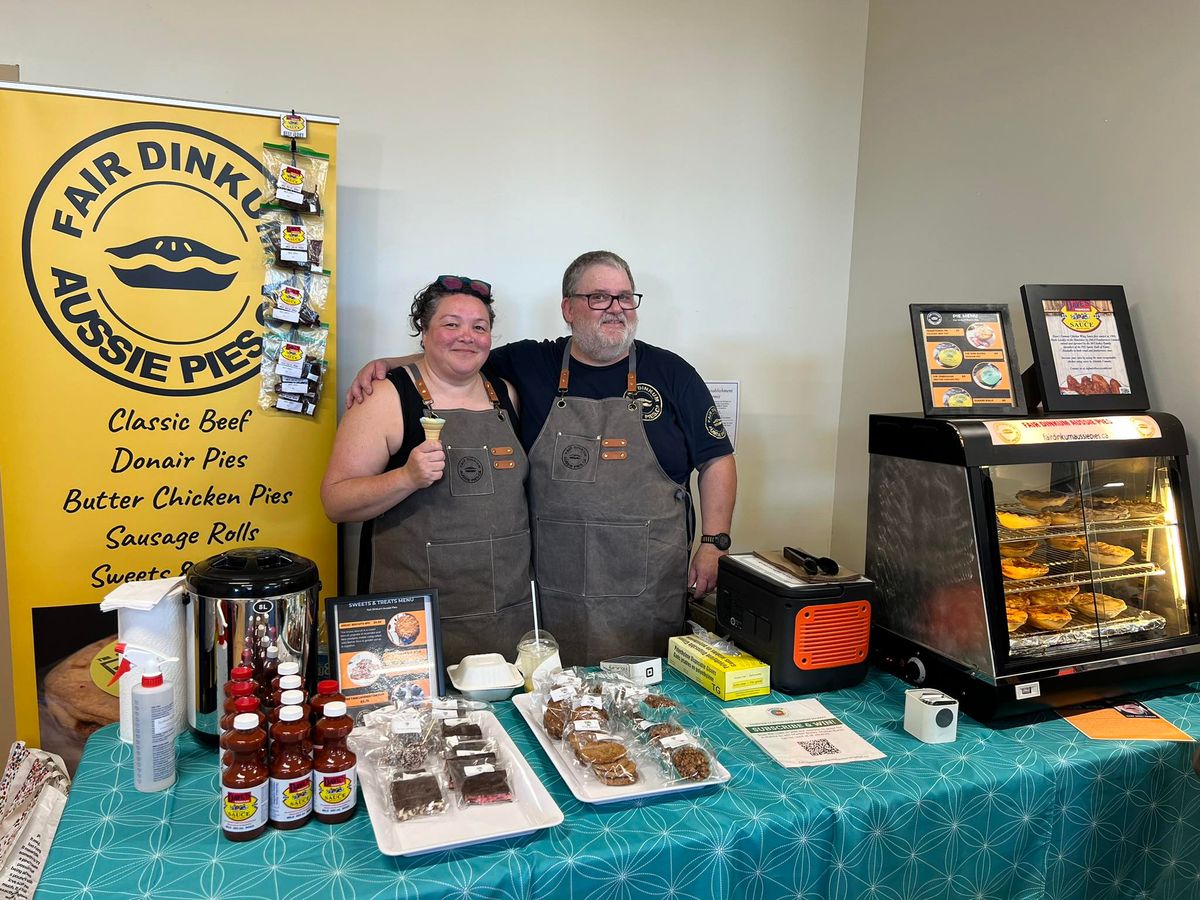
x=142, y=256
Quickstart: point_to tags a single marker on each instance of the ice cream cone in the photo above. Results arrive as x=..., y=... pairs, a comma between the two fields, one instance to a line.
x=433, y=427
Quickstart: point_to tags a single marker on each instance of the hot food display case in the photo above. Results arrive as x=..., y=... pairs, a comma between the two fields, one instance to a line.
x=1033, y=562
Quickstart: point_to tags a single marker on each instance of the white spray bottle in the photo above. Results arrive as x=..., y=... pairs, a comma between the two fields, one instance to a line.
x=153, y=704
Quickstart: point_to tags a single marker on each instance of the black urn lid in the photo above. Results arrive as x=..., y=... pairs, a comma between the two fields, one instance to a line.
x=252, y=572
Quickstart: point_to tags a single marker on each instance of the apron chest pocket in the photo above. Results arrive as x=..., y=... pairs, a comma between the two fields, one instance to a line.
x=469, y=471
x=593, y=559
x=575, y=458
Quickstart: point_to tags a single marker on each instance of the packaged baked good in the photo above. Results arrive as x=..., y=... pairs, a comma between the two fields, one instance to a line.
x=455, y=766
x=460, y=727
x=483, y=785
x=660, y=708
x=413, y=794
x=684, y=757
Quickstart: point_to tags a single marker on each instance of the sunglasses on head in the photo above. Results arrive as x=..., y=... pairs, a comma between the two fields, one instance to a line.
x=459, y=283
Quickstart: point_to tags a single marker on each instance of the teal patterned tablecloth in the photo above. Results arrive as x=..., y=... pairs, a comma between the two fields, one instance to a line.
x=1027, y=811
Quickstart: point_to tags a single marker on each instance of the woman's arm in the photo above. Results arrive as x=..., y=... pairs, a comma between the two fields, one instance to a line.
x=356, y=487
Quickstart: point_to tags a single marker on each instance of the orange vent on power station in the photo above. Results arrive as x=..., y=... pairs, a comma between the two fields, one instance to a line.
x=837, y=634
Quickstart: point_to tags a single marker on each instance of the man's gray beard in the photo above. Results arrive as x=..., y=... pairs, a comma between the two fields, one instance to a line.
x=592, y=343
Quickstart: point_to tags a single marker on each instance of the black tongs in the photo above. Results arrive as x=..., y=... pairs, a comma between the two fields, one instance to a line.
x=813, y=565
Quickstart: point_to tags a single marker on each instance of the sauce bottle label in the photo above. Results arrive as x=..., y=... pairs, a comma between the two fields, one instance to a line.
x=291, y=799
x=244, y=809
x=334, y=792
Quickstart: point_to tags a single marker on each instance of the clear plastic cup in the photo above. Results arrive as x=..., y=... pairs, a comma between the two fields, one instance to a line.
x=537, y=650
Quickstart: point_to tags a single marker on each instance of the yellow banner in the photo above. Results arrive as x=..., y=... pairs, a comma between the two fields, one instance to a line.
x=133, y=441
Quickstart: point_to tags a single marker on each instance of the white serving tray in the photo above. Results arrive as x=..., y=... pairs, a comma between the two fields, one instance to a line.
x=588, y=790
x=531, y=810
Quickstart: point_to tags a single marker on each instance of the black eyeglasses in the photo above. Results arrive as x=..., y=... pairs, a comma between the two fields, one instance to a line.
x=599, y=300
x=462, y=283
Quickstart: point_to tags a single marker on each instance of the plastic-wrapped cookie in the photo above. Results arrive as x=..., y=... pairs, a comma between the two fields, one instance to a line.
x=603, y=751
x=691, y=763
x=555, y=718
x=618, y=773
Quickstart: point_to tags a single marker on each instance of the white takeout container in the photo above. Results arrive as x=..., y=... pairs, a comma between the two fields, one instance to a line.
x=485, y=676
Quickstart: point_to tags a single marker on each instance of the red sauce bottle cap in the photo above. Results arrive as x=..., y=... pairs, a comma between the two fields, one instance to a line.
x=241, y=673
x=246, y=704
x=328, y=686
x=242, y=688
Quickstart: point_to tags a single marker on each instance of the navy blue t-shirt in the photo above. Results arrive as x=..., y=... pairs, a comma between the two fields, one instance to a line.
x=677, y=409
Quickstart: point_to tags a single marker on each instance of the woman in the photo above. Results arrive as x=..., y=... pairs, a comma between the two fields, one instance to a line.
x=446, y=513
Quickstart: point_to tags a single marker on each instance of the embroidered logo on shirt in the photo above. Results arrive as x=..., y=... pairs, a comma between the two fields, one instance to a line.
x=650, y=400
x=713, y=424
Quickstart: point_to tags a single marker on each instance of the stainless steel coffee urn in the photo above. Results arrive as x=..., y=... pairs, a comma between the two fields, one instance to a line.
x=243, y=601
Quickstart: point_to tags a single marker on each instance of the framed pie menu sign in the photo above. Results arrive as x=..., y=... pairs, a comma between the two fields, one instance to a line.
x=385, y=647
x=966, y=360
x=1085, y=353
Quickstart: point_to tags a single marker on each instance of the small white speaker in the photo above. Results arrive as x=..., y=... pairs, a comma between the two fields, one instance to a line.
x=930, y=716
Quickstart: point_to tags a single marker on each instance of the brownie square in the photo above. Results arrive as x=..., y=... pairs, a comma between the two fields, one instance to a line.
x=416, y=795
x=486, y=787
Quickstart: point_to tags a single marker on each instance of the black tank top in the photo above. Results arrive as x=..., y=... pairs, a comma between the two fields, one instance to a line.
x=412, y=408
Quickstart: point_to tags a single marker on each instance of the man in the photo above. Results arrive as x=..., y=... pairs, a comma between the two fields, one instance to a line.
x=613, y=429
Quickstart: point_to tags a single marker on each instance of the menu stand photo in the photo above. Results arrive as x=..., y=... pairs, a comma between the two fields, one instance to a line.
x=966, y=360
x=1085, y=354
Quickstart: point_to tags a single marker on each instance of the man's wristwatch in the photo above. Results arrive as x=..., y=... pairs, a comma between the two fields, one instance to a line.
x=720, y=541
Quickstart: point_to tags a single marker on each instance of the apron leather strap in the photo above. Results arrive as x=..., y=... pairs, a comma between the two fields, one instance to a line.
x=415, y=374
x=564, y=377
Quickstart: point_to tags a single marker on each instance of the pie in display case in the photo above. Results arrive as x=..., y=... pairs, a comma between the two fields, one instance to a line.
x=1033, y=562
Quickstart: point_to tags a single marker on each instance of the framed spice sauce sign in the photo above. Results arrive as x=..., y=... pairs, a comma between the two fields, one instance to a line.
x=1084, y=349
x=966, y=360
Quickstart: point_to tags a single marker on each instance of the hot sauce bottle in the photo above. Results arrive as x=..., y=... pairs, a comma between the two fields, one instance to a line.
x=327, y=691
x=237, y=690
x=244, y=705
x=291, y=770
x=286, y=699
x=237, y=675
x=284, y=668
x=286, y=683
x=270, y=669
x=244, y=785
x=335, y=780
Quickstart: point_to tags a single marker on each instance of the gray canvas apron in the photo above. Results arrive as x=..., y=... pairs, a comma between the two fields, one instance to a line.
x=610, y=541
x=467, y=534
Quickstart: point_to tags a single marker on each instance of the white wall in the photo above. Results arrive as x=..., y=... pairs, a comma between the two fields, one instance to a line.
x=1005, y=143
x=713, y=144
